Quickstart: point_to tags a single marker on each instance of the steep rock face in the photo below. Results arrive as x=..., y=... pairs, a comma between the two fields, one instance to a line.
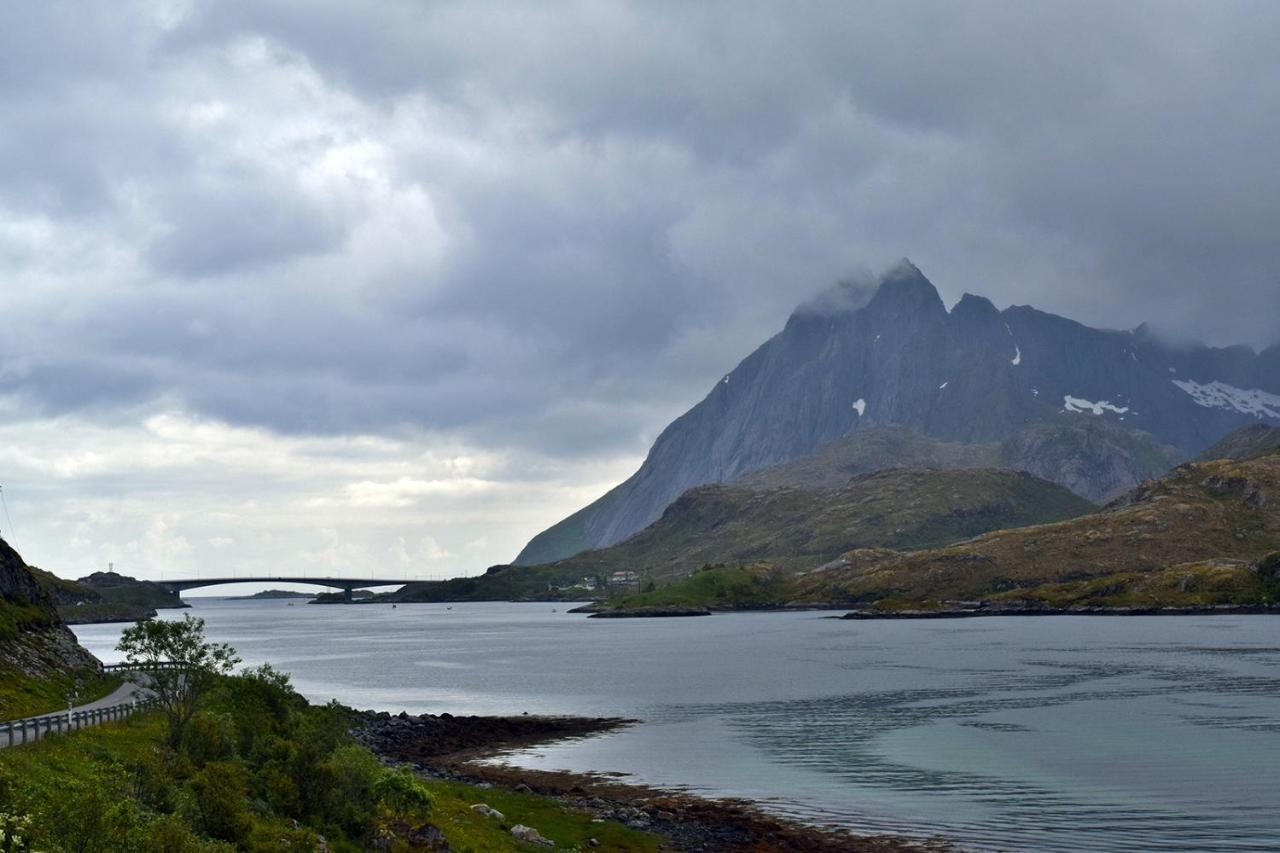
x=862, y=451
x=33, y=640
x=973, y=375
x=1094, y=459
x=1090, y=457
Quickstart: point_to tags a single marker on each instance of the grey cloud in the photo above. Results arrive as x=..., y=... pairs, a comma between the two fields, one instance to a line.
x=628, y=196
x=221, y=228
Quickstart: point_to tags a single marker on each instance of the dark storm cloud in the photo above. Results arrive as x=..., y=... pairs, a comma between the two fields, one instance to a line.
x=555, y=225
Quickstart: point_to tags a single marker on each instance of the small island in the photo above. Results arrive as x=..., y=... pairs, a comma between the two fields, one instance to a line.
x=274, y=594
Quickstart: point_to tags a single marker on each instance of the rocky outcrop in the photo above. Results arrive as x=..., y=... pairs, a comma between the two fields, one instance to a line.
x=34, y=641
x=970, y=375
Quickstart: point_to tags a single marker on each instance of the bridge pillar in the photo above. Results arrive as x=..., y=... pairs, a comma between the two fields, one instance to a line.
x=346, y=595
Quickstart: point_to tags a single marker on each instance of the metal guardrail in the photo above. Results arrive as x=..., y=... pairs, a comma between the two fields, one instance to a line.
x=142, y=667
x=31, y=729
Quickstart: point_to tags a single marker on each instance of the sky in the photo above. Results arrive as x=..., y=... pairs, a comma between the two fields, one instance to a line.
x=389, y=287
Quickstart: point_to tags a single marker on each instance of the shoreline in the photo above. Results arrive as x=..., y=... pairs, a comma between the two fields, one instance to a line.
x=1082, y=610
x=451, y=748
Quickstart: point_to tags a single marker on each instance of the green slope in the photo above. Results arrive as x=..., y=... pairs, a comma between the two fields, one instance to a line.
x=792, y=528
x=1204, y=534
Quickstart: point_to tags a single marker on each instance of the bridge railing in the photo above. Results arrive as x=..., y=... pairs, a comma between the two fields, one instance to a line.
x=31, y=729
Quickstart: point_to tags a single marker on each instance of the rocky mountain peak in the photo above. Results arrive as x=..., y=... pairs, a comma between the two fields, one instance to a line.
x=974, y=312
x=975, y=375
x=905, y=288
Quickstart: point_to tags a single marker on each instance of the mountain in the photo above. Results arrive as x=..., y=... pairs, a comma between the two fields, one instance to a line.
x=105, y=597
x=973, y=375
x=1092, y=458
x=39, y=656
x=793, y=528
x=790, y=528
x=1245, y=443
x=863, y=451
x=1207, y=533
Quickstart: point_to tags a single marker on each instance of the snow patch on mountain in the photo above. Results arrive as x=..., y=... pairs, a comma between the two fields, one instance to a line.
x=1017, y=355
x=1079, y=406
x=860, y=406
x=1220, y=395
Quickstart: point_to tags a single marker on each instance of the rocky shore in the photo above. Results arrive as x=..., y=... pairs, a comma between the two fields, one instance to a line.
x=448, y=747
x=648, y=612
x=985, y=609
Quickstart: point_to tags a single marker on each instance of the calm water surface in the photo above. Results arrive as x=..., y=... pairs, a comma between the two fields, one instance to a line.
x=1044, y=733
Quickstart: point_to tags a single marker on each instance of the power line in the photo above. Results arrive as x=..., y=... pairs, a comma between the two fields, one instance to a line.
x=7, y=520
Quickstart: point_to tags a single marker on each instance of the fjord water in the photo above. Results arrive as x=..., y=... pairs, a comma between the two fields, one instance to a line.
x=1037, y=733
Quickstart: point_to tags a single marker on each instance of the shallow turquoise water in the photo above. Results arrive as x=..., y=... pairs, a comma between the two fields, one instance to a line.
x=1039, y=733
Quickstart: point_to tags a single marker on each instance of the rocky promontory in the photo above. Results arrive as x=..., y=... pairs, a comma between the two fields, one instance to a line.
x=649, y=612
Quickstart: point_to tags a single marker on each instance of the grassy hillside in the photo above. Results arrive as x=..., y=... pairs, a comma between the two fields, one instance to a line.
x=1202, y=534
x=797, y=529
x=1245, y=443
x=792, y=528
x=105, y=597
x=719, y=588
x=261, y=770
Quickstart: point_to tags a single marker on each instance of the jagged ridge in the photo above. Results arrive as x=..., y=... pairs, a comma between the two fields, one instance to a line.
x=973, y=375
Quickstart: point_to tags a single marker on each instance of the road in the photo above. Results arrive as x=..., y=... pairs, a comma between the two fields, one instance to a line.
x=122, y=695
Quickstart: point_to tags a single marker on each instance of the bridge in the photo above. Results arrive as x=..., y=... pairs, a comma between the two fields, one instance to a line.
x=347, y=585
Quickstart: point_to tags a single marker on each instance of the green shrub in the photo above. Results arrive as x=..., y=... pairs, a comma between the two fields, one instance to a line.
x=170, y=835
x=209, y=737
x=353, y=771
x=216, y=804
x=152, y=781
x=401, y=794
x=89, y=817
x=15, y=833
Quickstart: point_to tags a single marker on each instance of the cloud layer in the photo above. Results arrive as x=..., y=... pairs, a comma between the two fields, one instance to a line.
x=533, y=233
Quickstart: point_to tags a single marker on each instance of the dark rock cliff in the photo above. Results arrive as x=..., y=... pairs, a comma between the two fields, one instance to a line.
x=33, y=639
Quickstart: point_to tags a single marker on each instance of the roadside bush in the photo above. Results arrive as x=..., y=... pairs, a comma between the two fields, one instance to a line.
x=90, y=818
x=170, y=835
x=15, y=833
x=153, y=782
x=209, y=737
x=215, y=802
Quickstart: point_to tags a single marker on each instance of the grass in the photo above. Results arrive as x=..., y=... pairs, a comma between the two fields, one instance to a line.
x=568, y=828
x=1200, y=584
x=17, y=616
x=1190, y=538
x=106, y=757
x=23, y=695
x=718, y=587
x=51, y=761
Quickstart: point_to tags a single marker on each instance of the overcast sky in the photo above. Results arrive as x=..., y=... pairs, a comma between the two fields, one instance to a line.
x=392, y=286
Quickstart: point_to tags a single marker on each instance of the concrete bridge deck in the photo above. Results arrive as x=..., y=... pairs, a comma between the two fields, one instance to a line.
x=346, y=584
